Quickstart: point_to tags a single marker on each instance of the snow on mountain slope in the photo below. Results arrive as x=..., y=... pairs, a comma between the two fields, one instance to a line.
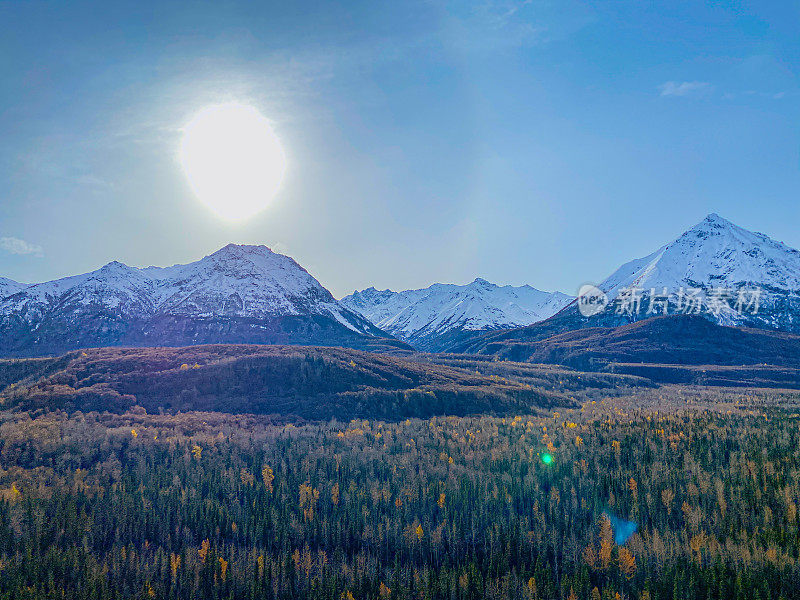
x=243, y=281
x=420, y=316
x=713, y=253
x=246, y=281
x=716, y=256
x=9, y=286
x=114, y=286
x=192, y=303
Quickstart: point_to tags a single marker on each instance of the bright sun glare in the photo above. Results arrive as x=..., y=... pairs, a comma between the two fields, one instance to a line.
x=233, y=159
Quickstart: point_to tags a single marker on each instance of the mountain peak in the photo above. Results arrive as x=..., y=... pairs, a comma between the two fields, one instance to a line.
x=240, y=250
x=480, y=281
x=714, y=221
x=714, y=254
x=715, y=218
x=116, y=267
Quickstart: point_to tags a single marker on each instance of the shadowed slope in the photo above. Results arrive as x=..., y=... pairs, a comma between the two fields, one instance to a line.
x=305, y=382
x=674, y=339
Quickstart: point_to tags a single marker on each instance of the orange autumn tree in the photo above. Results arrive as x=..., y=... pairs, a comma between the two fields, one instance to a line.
x=606, y=541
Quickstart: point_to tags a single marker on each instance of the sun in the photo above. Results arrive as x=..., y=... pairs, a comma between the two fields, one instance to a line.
x=233, y=159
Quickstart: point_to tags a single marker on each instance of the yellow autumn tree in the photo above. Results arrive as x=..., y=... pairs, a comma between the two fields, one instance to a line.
x=246, y=477
x=606, y=542
x=633, y=487
x=202, y=552
x=696, y=545
x=260, y=565
x=590, y=556
x=308, y=500
x=627, y=562
x=174, y=564
x=335, y=494
x=572, y=595
x=268, y=477
x=532, y=591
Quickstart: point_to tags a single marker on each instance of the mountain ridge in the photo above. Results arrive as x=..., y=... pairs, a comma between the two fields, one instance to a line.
x=432, y=318
x=9, y=287
x=713, y=255
x=238, y=293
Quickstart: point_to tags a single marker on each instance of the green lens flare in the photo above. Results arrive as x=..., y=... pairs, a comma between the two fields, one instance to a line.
x=547, y=458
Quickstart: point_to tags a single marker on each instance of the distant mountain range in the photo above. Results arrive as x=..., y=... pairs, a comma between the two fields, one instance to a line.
x=244, y=294
x=249, y=294
x=435, y=318
x=717, y=270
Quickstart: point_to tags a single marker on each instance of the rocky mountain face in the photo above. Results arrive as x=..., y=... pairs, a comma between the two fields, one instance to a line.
x=241, y=294
x=436, y=317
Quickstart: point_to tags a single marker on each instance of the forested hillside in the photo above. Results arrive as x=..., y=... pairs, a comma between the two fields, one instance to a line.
x=285, y=381
x=676, y=339
x=665, y=495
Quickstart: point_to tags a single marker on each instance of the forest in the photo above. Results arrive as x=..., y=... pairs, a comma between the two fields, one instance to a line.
x=292, y=382
x=660, y=493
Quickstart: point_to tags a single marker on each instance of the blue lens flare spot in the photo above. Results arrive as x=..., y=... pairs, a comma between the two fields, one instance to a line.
x=622, y=529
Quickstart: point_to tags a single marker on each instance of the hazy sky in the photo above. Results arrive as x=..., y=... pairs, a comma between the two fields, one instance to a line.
x=540, y=142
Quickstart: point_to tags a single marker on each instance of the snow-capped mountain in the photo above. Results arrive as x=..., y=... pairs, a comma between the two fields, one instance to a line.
x=245, y=294
x=713, y=253
x=432, y=318
x=715, y=260
x=8, y=287
x=727, y=264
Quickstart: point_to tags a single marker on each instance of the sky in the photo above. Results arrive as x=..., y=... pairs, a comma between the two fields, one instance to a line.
x=533, y=142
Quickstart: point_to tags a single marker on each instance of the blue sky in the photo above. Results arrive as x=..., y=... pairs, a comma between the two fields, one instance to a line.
x=540, y=142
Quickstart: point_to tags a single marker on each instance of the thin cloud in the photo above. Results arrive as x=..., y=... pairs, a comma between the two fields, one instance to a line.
x=93, y=181
x=758, y=94
x=14, y=245
x=685, y=88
